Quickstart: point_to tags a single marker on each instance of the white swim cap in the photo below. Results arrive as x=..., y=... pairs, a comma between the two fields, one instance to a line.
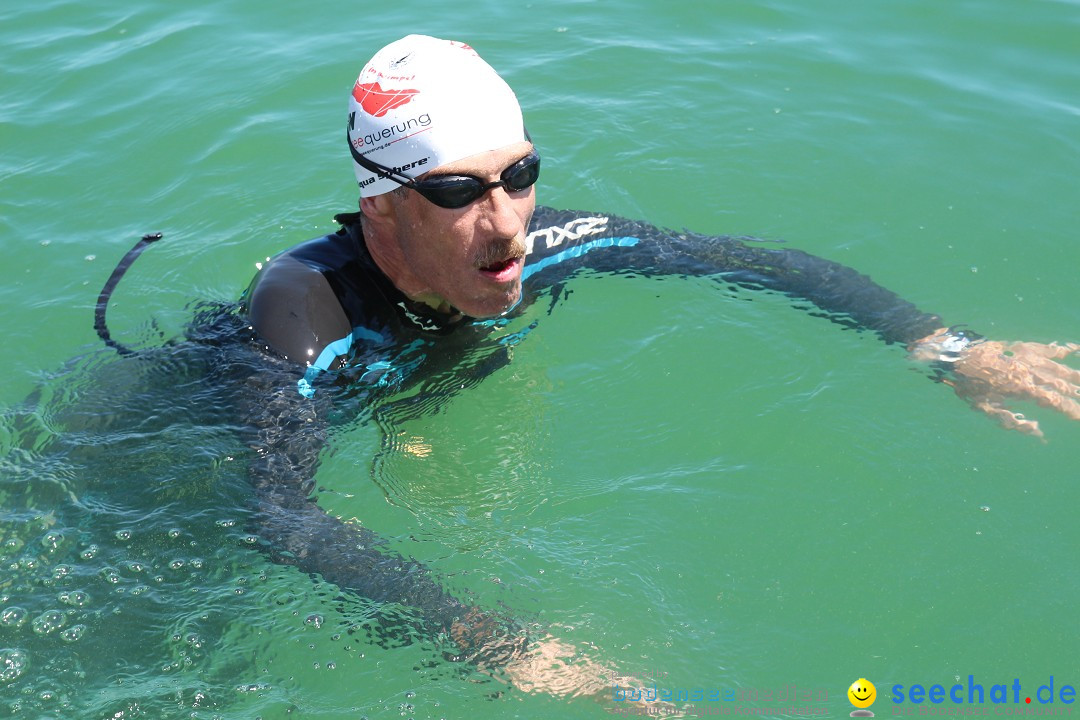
x=422, y=102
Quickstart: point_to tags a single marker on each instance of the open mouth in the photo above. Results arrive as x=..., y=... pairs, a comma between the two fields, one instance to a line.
x=501, y=270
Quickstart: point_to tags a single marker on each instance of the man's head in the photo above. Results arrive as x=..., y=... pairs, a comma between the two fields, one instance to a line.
x=432, y=116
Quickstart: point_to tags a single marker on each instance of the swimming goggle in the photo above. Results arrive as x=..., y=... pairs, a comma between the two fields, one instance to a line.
x=457, y=191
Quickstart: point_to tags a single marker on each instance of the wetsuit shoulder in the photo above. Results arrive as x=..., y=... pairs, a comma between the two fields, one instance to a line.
x=291, y=303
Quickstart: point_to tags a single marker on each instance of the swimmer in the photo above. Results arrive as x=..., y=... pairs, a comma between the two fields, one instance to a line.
x=448, y=233
x=448, y=237
x=448, y=242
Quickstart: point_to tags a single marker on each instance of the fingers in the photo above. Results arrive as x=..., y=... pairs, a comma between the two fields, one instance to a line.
x=989, y=372
x=1051, y=371
x=1057, y=401
x=1008, y=419
x=551, y=667
x=1054, y=351
x=1044, y=356
x=1026, y=370
x=1051, y=384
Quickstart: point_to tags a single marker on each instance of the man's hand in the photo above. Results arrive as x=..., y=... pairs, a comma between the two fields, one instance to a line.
x=987, y=373
x=557, y=668
x=547, y=665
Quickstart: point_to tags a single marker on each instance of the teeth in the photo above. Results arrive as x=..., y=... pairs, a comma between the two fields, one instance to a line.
x=500, y=265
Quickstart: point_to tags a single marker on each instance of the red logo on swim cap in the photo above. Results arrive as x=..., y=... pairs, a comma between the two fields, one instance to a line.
x=463, y=46
x=376, y=101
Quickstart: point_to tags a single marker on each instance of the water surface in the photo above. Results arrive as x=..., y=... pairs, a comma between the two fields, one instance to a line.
x=704, y=485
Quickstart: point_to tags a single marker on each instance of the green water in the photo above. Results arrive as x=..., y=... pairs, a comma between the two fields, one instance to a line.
x=707, y=486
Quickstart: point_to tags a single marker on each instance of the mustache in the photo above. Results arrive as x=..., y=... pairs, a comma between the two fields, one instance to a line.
x=498, y=251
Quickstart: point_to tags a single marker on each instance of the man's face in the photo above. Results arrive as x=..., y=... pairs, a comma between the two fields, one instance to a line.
x=472, y=257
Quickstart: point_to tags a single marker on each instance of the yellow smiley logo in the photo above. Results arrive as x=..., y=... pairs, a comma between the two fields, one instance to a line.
x=862, y=693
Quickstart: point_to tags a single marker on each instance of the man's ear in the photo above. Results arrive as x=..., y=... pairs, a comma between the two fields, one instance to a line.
x=378, y=209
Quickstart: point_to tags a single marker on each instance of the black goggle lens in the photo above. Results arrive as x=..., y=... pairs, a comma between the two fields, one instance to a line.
x=457, y=191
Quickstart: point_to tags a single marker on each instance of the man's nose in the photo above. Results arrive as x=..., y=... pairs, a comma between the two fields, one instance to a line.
x=502, y=209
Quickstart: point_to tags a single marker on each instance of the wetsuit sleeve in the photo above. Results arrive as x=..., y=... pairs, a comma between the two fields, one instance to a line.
x=563, y=243
x=287, y=433
x=294, y=310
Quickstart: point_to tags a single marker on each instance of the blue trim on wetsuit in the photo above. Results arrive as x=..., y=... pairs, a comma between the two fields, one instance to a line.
x=331, y=352
x=342, y=346
x=577, y=251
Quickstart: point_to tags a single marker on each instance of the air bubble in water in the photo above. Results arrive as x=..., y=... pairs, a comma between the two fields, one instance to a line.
x=75, y=598
x=73, y=633
x=13, y=663
x=49, y=621
x=315, y=620
x=11, y=546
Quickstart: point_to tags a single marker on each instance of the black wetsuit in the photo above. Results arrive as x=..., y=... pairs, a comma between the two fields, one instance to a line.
x=325, y=304
x=336, y=319
x=377, y=358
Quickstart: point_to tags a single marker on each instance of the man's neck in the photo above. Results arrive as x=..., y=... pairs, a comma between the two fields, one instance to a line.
x=388, y=258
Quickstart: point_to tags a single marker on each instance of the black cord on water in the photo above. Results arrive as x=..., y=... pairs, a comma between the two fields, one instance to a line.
x=110, y=285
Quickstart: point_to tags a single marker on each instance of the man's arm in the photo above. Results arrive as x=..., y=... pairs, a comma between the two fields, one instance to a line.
x=564, y=243
x=986, y=374
x=286, y=432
